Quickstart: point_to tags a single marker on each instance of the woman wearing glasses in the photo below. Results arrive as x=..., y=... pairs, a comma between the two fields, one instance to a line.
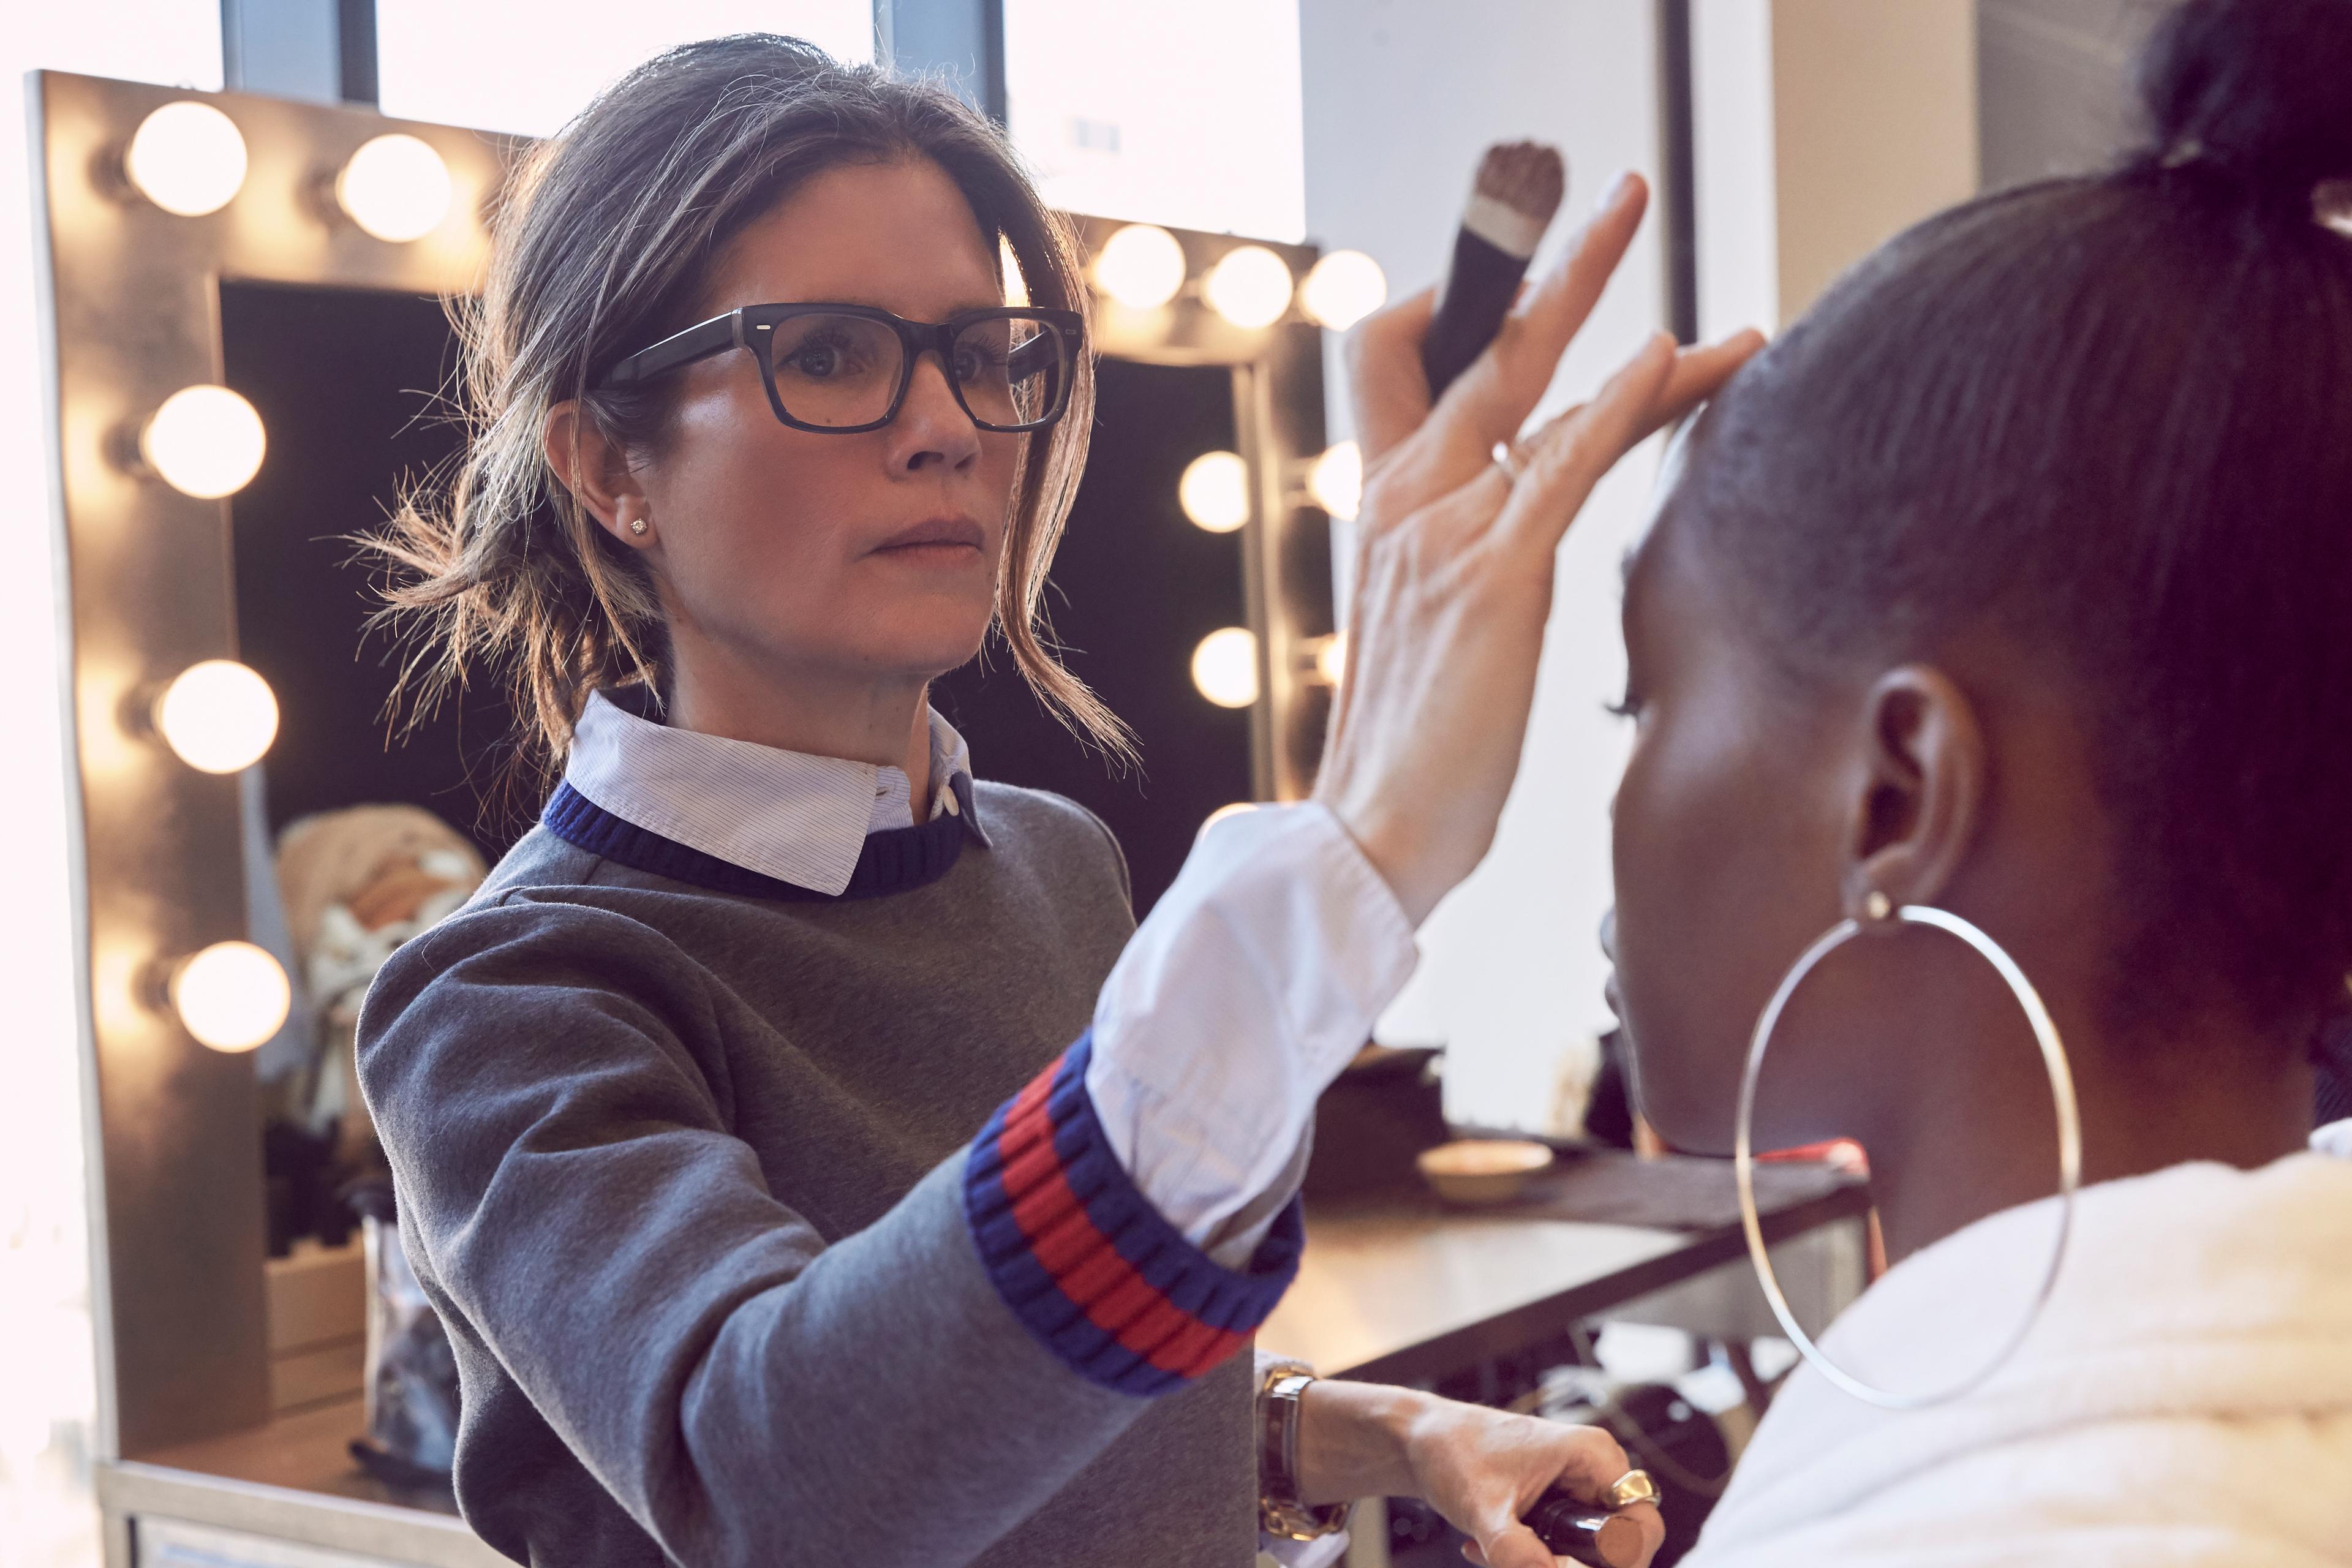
x=810, y=1161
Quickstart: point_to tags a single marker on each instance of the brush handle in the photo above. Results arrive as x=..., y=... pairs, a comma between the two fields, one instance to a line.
x=1479, y=287
x=1576, y=1531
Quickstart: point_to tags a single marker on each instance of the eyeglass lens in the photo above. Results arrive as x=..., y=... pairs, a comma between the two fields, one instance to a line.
x=844, y=369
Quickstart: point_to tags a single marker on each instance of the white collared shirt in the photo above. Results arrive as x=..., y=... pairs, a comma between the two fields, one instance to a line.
x=1256, y=978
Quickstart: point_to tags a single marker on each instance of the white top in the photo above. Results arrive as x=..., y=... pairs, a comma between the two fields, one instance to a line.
x=1256, y=978
x=2185, y=1400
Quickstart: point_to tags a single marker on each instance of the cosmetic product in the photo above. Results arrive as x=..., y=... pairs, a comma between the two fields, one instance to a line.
x=1582, y=1533
x=1518, y=188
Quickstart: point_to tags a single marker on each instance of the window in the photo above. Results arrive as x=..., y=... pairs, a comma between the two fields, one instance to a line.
x=1177, y=114
x=528, y=65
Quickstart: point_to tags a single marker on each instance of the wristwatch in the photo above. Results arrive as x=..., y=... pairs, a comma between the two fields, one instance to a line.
x=1279, y=1511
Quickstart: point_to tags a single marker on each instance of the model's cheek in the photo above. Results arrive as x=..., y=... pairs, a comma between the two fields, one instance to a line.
x=1676, y=930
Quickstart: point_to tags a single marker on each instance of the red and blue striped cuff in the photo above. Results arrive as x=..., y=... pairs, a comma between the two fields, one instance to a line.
x=1088, y=1263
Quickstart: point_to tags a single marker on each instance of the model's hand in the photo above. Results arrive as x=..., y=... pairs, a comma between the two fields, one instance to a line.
x=1454, y=577
x=1481, y=1469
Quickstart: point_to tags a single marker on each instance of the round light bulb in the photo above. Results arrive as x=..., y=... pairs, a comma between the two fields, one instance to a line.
x=1250, y=288
x=1342, y=289
x=395, y=187
x=205, y=441
x=1237, y=808
x=187, y=158
x=1214, y=491
x=231, y=996
x=1225, y=666
x=219, y=716
x=1336, y=480
x=1141, y=267
x=1332, y=658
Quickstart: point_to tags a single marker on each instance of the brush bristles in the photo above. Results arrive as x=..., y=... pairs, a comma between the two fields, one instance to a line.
x=1526, y=176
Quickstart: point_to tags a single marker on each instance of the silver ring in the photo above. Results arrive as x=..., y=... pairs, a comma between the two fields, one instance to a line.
x=1512, y=459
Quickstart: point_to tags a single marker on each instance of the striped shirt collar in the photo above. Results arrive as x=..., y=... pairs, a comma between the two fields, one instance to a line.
x=798, y=818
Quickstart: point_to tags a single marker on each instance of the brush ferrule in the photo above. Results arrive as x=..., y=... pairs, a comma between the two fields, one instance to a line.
x=1503, y=225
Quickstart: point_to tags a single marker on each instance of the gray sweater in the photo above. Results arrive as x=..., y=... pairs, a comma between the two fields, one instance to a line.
x=691, y=1177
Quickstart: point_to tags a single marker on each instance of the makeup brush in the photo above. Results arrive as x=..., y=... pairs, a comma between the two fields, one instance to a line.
x=1518, y=188
x=1581, y=1533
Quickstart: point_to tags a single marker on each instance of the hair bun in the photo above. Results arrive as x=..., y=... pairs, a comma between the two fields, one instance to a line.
x=2260, y=88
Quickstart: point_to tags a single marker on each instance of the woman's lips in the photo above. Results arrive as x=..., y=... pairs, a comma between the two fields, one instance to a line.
x=935, y=538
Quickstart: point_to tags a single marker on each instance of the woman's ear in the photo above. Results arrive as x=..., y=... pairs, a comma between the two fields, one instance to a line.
x=597, y=473
x=1922, y=785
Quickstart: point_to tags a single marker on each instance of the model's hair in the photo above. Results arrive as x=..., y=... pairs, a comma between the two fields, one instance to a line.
x=603, y=243
x=2111, y=417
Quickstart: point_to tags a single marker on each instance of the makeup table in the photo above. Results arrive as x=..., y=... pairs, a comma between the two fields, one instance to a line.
x=1407, y=1289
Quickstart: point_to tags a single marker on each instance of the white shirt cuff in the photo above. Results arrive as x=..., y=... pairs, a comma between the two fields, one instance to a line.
x=1258, y=977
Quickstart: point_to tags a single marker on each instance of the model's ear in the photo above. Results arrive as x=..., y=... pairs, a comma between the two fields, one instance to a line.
x=597, y=473
x=1921, y=782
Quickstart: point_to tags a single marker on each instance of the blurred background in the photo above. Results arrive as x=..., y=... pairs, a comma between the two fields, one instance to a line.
x=1785, y=138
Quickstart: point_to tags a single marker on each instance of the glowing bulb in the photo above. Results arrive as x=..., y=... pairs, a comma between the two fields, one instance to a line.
x=1250, y=288
x=231, y=996
x=1336, y=480
x=219, y=716
x=1343, y=289
x=1141, y=267
x=395, y=187
x=1225, y=666
x=1332, y=658
x=205, y=441
x=1237, y=808
x=187, y=158
x=1214, y=491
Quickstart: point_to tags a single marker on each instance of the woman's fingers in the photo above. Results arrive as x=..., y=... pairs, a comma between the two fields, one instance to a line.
x=1571, y=455
x=1386, y=384
x=1496, y=395
x=1503, y=386
x=1700, y=373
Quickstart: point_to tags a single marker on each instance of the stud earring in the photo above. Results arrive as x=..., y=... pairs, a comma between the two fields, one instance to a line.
x=637, y=526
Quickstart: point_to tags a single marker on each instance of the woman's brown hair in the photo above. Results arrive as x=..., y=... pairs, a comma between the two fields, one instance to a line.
x=601, y=246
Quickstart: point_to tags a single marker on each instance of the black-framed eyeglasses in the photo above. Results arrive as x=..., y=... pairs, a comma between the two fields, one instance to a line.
x=843, y=369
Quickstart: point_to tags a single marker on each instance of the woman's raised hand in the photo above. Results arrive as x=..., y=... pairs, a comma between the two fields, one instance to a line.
x=1454, y=576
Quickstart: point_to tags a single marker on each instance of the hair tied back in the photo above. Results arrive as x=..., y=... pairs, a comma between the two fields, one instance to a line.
x=2256, y=95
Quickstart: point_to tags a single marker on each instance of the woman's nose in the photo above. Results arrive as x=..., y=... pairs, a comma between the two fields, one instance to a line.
x=932, y=429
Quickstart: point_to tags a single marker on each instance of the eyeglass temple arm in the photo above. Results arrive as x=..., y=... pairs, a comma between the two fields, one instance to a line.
x=1040, y=352
x=698, y=342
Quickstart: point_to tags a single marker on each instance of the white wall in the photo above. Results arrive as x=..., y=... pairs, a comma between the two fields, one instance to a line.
x=1400, y=97
x=48, y=1401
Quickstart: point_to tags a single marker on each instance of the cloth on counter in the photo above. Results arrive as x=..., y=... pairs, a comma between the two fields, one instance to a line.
x=2185, y=1400
x=355, y=884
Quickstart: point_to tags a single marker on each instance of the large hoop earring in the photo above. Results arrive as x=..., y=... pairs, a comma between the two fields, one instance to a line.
x=2070, y=1145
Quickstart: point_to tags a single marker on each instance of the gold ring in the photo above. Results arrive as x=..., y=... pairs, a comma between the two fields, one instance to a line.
x=1632, y=1487
x=1512, y=459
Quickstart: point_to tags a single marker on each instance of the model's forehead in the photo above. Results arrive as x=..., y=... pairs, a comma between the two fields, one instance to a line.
x=1671, y=469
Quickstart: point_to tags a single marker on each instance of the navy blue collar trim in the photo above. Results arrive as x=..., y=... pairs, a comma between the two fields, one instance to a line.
x=895, y=860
